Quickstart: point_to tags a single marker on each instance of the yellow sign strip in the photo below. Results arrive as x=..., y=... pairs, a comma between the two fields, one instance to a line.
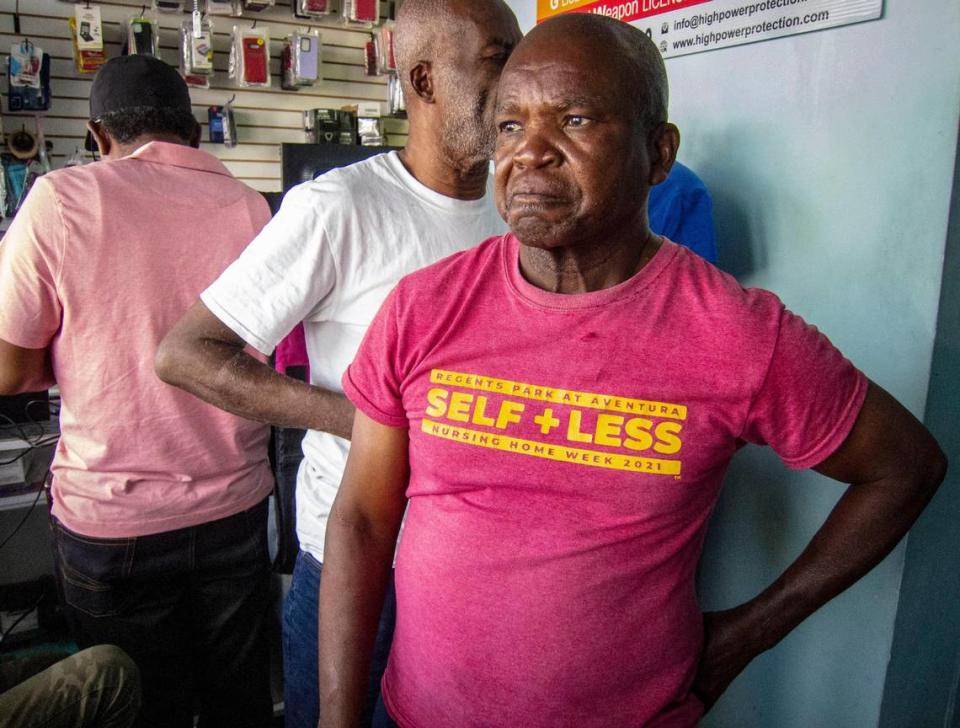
x=549, y=8
x=547, y=451
x=591, y=400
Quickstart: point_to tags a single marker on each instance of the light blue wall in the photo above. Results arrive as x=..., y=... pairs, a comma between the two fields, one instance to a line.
x=830, y=156
x=923, y=681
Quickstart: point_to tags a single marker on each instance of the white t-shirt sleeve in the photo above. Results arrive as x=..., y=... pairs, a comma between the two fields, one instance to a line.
x=283, y=276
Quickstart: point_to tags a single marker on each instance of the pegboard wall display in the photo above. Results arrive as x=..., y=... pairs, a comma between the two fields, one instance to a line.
x=265, y=117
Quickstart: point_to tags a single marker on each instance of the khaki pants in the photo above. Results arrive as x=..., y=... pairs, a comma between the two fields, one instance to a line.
x=98, y=687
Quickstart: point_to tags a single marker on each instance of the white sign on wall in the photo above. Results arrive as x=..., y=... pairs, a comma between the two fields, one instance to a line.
x=681, y=27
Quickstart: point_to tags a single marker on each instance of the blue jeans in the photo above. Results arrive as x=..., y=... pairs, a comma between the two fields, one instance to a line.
x=300, y=675
x=381, y=718
x=188, y=606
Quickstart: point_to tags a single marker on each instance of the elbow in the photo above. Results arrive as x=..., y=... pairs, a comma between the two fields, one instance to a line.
x=939, y=468
x=166, y=362
x=932, y=472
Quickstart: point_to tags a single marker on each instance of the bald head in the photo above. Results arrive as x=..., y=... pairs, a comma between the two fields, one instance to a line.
x=582, y=134
x=450, y=54
x=418, y=30
x=429, y=30
x=619, y=49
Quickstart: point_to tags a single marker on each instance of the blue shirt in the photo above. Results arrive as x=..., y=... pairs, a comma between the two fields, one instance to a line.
x=681, y=210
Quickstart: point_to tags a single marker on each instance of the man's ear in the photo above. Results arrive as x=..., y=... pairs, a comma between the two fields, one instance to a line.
x=664, y=142
x=195, y=136
x=421, y=81
x=103, y=140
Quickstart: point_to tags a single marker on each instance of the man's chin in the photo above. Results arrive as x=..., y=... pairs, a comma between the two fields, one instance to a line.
x=467, y=150
x=535, y=232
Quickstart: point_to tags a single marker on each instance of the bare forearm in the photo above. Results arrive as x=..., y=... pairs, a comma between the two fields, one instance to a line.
x=24, y=370
x=227, y=377
x=865, y=525
x=867, y=522
x=895, y=466
x=356, y=570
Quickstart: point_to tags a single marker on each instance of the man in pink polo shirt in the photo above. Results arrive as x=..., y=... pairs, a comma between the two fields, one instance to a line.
x=159, y=500
x=555, y=410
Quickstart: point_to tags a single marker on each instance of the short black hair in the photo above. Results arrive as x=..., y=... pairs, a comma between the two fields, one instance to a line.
x=128, y=124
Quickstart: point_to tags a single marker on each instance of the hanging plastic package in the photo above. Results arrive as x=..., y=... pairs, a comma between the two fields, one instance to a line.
x=229, y=126
x=370, y=57
x=28, y=77
x=250, y=56
x=77, y=159
x=143, y=38
x=224, y=7
x=398, y=107
x=215, y=124
x=301, y=60
x=386, y=60
x=15, y=174
x=362, y=12
x=196, y=53
x=168, y=6
x=313, y=8
x=287, y=79
x=86, y=32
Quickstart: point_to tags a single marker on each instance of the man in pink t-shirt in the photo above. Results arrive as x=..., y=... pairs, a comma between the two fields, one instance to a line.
x=159, y=500
x=556, y=409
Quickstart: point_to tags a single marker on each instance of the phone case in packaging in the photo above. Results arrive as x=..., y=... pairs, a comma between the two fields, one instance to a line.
x=229, y=126
x=223, y=128
x=196, y=53
x=363, y=12
x=250, y=56
x=301, y=60
x=370, y=58
x=142, y=36
x=85, y=58
x=398, y=107
x=286, y=67
x=28, y=77
x=224, y=7
x=386, y=60
x=313, y=8
x=25, y=62
x=89, y=28
x=168, y=6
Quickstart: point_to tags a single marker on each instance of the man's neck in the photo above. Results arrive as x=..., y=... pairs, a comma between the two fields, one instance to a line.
x=118, y=151
x=423, y=161
x=586, y=268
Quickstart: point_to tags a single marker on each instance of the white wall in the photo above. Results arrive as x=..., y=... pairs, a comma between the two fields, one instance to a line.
x=830, y=157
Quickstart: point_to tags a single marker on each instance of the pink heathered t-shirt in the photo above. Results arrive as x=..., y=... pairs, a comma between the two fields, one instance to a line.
x=566, y=452
x=100, y=262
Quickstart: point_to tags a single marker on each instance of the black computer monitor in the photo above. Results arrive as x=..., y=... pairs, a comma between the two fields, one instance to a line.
x=302, y=162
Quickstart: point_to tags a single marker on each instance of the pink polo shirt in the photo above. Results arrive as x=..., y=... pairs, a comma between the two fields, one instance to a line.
x=99, y=264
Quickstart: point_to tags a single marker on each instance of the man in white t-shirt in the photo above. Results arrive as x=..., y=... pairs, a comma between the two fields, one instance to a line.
x=330, y=256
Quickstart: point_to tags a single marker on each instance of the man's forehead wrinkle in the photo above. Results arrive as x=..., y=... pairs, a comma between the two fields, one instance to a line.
x=536, y=66
x=564, y=90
